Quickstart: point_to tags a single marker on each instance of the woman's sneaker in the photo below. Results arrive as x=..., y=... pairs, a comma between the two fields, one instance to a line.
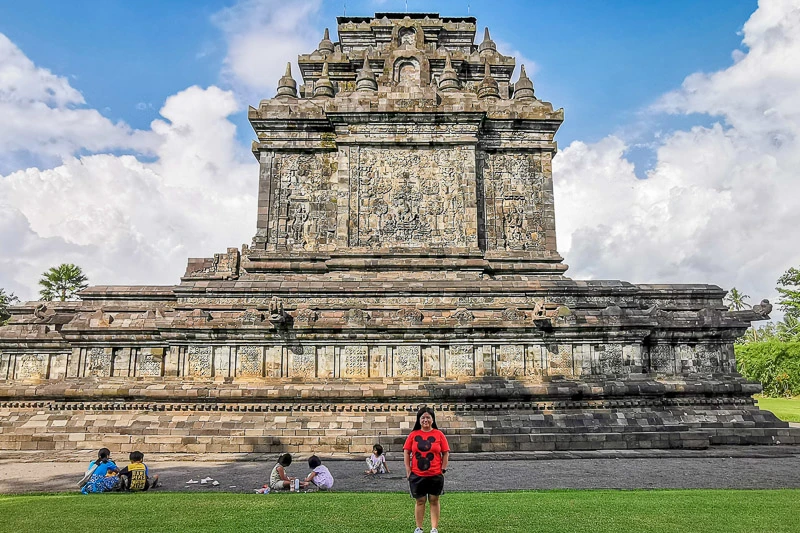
x=418, y=530
x=434, y=530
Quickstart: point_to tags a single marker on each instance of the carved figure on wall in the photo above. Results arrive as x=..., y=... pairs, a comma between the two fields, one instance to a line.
x=513, y=198
x=277, y=315
x=297, y=226
x=304, y=212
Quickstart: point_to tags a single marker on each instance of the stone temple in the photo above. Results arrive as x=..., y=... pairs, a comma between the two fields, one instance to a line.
x=405, y=254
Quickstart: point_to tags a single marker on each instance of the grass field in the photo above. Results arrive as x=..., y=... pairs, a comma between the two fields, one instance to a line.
x=787, y=409
x=723, y=511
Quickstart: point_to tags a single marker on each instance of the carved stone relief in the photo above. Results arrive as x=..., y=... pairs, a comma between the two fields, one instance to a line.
x=409, y=315
x=662, y=358
x=32, y=366
x=199, y=360
x=609, y=358
x=460, y=361
x=514, y=201
x=303, y=216
x=510, y=360
x=407, y=361
x=250, y=360
x=512, y=314
x=708, y=358
x=463, y=316
x=98, y=362
x=408, y=197
x=559, y=359
x=251, y=317
x=306, y=316
x=356, y=317
x=302, y=361
x=149, y=364
x=354, y=362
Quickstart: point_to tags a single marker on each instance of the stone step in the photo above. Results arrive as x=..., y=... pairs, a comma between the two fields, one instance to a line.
x=355, y=444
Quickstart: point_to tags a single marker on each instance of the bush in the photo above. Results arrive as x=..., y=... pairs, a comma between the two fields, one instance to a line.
x=774, y=363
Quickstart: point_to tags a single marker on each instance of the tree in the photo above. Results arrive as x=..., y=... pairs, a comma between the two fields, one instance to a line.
x=6, y=299
x=789, y=291
x=62, y=282
x=736, y=300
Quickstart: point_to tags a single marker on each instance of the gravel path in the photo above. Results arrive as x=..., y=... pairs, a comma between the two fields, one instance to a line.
x=734, y=468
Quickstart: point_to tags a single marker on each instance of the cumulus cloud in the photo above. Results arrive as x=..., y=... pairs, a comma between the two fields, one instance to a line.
x=262, y=36
x=126, y=220
x=722, y=203
x=44, y=118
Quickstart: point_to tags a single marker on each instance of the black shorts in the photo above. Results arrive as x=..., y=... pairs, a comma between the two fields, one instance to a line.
x=422, y=486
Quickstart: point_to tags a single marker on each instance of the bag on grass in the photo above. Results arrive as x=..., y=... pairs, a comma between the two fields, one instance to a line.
x=87, y=476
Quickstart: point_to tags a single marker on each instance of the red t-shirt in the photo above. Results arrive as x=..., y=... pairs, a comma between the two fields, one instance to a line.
x=426, y=449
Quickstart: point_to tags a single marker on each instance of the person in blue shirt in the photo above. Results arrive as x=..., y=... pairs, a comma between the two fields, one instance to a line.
x=105, y=477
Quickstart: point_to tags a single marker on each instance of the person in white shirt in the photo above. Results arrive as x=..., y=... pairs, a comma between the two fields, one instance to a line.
x=320, y=476
x=376, y=463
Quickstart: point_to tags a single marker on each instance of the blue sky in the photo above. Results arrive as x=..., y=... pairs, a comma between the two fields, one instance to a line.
x=604, y=62
x=124, y=144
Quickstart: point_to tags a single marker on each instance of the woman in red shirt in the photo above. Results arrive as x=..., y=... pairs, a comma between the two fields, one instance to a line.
x=425, y=455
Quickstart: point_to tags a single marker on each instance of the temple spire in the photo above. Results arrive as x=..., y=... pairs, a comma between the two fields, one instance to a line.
x=323, y=86
x=523, y=89
x=488, y=43
x=326, y=45
x=365, y=81
x=488, y=87
x=286, y=85
x=448, y=81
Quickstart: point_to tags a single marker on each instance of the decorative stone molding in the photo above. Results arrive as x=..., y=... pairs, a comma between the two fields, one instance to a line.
x=463, y=316
x=512, y=314
x=409, y=315
x=306, y=316
x=357, y=317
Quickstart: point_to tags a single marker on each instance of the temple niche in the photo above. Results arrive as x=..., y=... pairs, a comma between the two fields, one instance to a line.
x=404, y=253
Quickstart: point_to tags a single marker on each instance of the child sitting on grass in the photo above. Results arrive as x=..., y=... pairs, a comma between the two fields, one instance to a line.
x=136, y=476
x=320, y=477
x=278, y=479
x=376, y=463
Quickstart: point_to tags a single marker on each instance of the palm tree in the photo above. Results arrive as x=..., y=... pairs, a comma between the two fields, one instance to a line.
x=62, y=282
x=736, y=300
x=6, y=299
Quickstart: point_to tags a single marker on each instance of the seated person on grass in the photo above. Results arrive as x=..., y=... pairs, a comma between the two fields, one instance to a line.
x=136, y=476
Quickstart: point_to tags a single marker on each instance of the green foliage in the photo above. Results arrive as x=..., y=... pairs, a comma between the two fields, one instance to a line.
x=62, y=282
x=787, y=409
x=790, y=292
x=585, y=511
x=7, y=299
x=736, y=300
x=787, y=330
x=774, y=363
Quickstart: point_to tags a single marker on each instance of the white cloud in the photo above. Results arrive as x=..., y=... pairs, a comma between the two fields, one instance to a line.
x=42, y=120
x=722, y=203
x=262, y=36
x=123, y=220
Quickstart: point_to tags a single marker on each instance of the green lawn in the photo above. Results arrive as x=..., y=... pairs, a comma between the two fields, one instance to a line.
x=787, y=409
x=723, y=511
